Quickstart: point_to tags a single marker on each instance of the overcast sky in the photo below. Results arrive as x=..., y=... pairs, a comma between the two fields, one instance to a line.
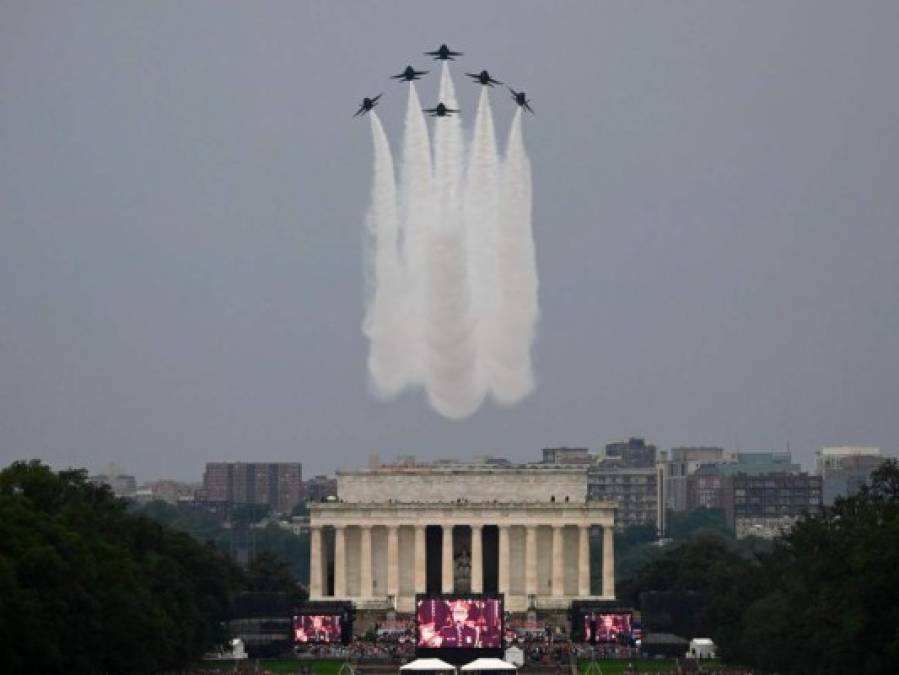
x=182, y=192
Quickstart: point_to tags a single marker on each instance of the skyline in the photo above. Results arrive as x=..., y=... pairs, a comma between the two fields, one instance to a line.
x=183, y=202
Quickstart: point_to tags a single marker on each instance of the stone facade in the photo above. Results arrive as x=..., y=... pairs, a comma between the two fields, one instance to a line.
x=532, y=484
x=524, y=532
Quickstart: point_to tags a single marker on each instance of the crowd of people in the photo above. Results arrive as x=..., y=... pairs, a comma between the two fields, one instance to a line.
x=392, y=642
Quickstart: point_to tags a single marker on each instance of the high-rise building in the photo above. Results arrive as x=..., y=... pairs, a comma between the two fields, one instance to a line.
x=632, y=490
x=121, y=484
x=319, y=488
x=678, y=464
x=566, y=456
x=634, y=452
x=706, y=484
x=218, y=481
x=845, y=469
x=280, y=485
x=767, y=504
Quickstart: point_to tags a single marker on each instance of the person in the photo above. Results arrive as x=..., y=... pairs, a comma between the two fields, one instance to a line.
x=456, y=632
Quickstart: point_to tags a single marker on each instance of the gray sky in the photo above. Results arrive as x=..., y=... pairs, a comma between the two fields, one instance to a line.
x=182, y=192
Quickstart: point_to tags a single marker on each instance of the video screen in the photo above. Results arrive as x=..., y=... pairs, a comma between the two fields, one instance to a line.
x=317, y=628
x=460, y=623
x=601, y=627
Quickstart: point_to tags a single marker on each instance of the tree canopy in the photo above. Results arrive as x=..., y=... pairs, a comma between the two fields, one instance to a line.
x=828, y=599
x=822, y=599
x=86, y=587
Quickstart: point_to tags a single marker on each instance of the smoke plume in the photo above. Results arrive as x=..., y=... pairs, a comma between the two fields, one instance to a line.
x=452, y=294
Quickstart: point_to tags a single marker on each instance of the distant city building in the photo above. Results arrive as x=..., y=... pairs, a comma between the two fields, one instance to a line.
x=171, y=491
x=845, y=469
x=319, y=488
x=624, y=475
x=121, y=484
x=678, y=464
x=631, y=489
x=706, y=484
x=634, y=452
x=704, y=488
x=767, y=504
x=566, y=456
x=280, y=485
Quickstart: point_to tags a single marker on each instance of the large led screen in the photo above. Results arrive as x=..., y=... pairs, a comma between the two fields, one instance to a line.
x=601, y=627
x=459, y=623
x=316, y=628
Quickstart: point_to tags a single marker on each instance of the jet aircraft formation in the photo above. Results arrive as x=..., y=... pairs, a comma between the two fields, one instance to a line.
x=444, y=53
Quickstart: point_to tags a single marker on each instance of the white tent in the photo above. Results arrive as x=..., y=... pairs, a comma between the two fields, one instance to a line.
x=702, y=648
x=431, y=665
x=487, y=665
x=515, y=656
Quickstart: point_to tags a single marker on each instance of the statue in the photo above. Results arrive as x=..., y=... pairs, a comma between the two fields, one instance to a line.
x=462, y=571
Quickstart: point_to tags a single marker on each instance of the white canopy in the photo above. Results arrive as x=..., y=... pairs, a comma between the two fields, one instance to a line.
x=427, y=664
x=488, y=664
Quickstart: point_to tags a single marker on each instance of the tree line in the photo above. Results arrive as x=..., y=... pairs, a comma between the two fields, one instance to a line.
x=87, y=587
x=822, y=599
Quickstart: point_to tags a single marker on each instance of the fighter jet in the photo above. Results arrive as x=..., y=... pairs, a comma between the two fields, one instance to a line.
x=409, y=74
x=443, y=54
x=367, y=105
x=440, y=111
x=521, y=99
x=484, y=78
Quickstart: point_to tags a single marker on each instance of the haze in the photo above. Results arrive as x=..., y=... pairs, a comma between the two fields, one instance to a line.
x=183, y=191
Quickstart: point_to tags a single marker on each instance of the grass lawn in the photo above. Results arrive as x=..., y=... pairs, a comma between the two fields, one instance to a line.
x=323, y=667
x=617, y=666
x=332, y=666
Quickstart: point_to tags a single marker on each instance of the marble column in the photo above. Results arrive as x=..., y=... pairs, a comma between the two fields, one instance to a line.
x=583, y=561
x=608, y=562
x=339, y=561
x=448, y=580
x=315, y=562
x=421, y=555
x=393, y=562
x=477, y=560
x=504, y=562
x=365, y=562
x=558, y=559
x=530, y=560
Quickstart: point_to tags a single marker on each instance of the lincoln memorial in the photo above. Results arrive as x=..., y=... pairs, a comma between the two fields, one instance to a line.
x=524, y=531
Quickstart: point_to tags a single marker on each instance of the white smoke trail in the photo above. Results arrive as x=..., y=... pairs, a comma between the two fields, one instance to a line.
x=418, y=213
x=517, y=311
x=451, y=300
x=481, y=215
x=383, y=324
x=451, y=381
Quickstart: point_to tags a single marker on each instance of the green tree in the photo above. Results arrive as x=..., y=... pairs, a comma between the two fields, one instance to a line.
x=682, y=526
x=86, y=587
x=828, y=601
x=267, y=572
